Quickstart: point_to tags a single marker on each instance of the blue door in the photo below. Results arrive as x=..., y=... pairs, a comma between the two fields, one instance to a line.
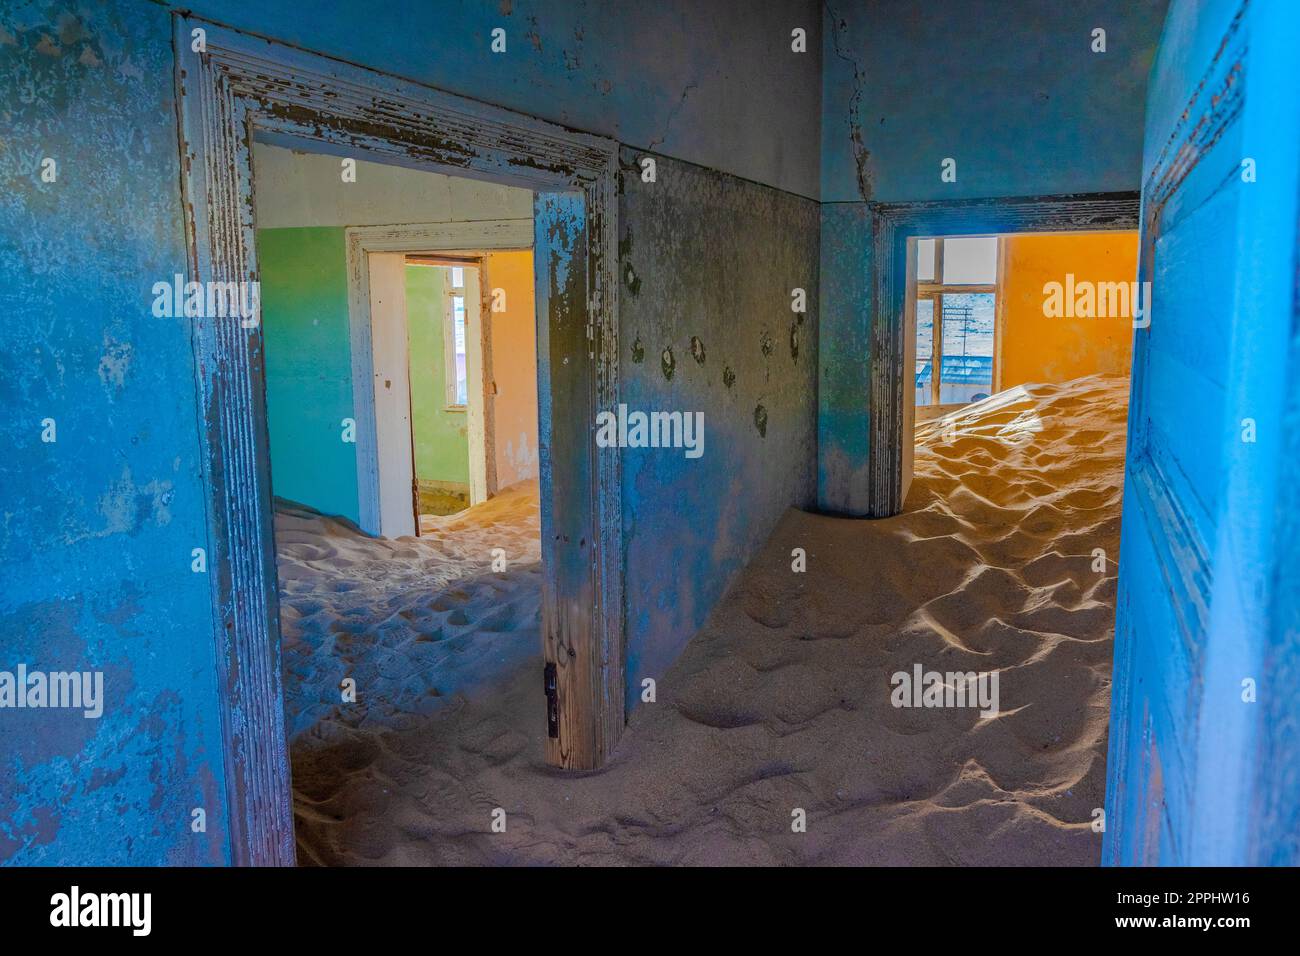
x=1203, y=766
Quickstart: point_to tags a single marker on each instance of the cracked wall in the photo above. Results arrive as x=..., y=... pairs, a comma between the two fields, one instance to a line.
x=1019, y=100
x=715, y=83
x=98, y=527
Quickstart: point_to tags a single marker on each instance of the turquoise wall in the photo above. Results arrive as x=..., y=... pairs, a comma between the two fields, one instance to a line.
x=308, y=366
x=309, y=371
x=95, y=545
x=441, y=436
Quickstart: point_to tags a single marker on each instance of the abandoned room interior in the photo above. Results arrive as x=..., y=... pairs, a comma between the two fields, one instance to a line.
x=529, y=433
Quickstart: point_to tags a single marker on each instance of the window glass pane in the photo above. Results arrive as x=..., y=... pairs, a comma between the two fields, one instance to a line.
x=970, y=261
x=924, y=348
x=967, y=373
x=457, y=277
x=925, y=260
x=458, y=330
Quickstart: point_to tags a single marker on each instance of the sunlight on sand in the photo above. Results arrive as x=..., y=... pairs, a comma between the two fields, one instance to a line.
x=782, y=701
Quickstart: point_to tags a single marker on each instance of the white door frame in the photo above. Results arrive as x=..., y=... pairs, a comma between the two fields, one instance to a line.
x=478, y=327
x=478, y=361
x=440, y=237
x=390, y=393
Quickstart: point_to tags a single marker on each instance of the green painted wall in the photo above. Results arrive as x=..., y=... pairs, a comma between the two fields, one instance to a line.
x=441, y=437
x=308, y=366
x=309, y=371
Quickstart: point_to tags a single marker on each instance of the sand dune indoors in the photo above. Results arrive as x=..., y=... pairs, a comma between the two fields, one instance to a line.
x=407, y=619
x=781, y=702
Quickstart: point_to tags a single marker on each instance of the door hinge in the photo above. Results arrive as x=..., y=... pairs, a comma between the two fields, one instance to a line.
x=552, y=703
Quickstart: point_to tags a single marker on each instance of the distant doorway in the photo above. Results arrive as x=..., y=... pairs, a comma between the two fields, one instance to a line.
x=422, y=300
x=996, y=312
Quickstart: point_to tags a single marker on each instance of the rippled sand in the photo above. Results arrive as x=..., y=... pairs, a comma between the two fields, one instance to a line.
x=781, y=702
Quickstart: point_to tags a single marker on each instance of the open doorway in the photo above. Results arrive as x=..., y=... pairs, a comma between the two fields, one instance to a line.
x=453, y=349
x=1019, y=377
x=383, y=627
x=1002, y=311
x=242, y=89
x=446, y=372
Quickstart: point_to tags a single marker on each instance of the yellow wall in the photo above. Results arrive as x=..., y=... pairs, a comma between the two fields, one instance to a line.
x=1036, y=348
x=514, y=366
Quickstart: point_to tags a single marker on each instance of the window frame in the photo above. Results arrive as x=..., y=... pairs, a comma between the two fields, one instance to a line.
x=450, y=293
x=935, y=289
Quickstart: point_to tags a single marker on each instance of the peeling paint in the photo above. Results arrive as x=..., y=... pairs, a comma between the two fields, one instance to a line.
x=119, y=499
x=114, y=363
x=110, y=512
x=716, y=257
x=631, y=279
x=669, y=363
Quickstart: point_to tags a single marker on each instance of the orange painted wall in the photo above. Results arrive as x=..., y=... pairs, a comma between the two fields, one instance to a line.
x=514, y=366
x=1035, y=348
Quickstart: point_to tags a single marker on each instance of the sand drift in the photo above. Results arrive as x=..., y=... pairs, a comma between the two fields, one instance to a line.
x=782, y=703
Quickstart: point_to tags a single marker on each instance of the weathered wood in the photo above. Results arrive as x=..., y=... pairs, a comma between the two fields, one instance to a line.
x=1166, y=527
x=1200, y=772
x=587, y=698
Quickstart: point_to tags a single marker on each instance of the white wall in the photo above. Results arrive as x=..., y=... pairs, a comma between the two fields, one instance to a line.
x=296, y=189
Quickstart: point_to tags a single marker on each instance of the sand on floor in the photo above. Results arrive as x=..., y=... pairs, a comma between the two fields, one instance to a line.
x=782, y=703
x=409, y=620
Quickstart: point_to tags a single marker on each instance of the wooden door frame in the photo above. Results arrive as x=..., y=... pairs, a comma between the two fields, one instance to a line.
x=462, y=239
x=893, y=329
x=237, y=85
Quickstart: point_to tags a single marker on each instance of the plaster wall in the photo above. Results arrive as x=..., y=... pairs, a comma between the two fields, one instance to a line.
x=1019, y=101
x=1033, y=347
x=514, y=366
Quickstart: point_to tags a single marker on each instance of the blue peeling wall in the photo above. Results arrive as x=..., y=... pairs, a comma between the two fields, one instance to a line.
x=715, y=83
x=708, y=264
x=1204, y=715
x=98, y=526
x=1013, y=93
